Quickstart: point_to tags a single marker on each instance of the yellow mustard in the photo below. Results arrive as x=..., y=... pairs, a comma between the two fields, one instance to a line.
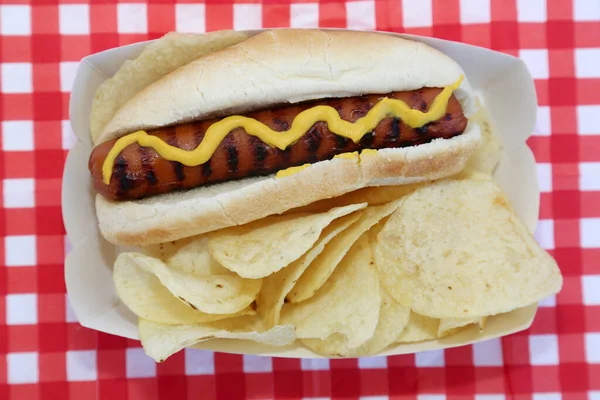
x=301, y=124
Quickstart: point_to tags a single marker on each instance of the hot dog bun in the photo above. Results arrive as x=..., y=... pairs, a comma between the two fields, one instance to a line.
x=272, y=68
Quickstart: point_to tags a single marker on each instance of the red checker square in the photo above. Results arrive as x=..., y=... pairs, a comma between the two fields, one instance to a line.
x=594, y=373
x=532, y=36
x=80, y=338
x=569, y=260
x=103, y=41
x=561, y=63
x=373, y=382
x=49, y=221
x=563, y=149
x=3, y=285
x=2, y=314
x=591, y=261
x=559, y=10
x=575, y=396
x=419, y=31
x=133, y=343
x=388, y=15
x=345, y=382
x=228, y=362
x=259, y=386
x=103, y=18
x=589, y=149
x=477, y=35
x=462, y=380
x=174, y=365
x=22, y=338
x=501, y=10
x=566, y=233
x=172, y=387
x=515, y=350
x=142, y=389
x=448, y=32
x=545, y=378
x=445, y=12
x=132, y=38
x=489, y=380
x=343, y=363
x=332, y=15
x=570, y=318
x=46, y=77
x=459, y=356
x=15, y=48
x=161, y=18
x=587, y=93
x=218, y=16
x=431, y=380
x=518, y=380
x=564, y=120
x=230, y=385
x=542, y=89
x=545, y=321
x=200, y=386
x=50, y=250
x=84, y=390
x=504, y=35
x=19, y=221
x=48, y=106
x=52, y=366
x=587, y=34
x=566, y=180
x=45, y=48
x=48, y=134
x=286, y=364
x=571, y=292
x=566, y=202
x=44, y=19
x=20, y=392
x=49, y=163
x=17, y=106
x=276, y=15
x=560, y=34
x=51, y=307
x=52, y=337
x=3, y=374
x=54, y=390
x=315, y=384
x=21, y=280
x=111, y=364
x=546, y=206
x=404, y=360
x=111, y=341
x=74, y=48
x=19, y=164
x=592, y=318
x=571, y=347
x=111, y=389
x=562, y=91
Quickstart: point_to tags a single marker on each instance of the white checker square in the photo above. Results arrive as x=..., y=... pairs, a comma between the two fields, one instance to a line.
x=594, y=395
x=536, y=61
x=431, y=397
x=247, y=16
x=432, y=358
x=372, y=362
x=544, y=233
x=488, y=353
x=587, y=62
x=17, y=78
x=21, y=309
x=547, y=396
x=15, y=20
x=314, y=364
x=254, y=363
x=199, y=362
x=19, y=192
x=416, y=13
x=543, y=349
x=70, y=315
x=543, y=126
x=20, y=250
x=586, y=10
x=139, y=365
x=17, y=135
x=360, y=14
x=590, y=233
x=304, y=15
x=68, y=70
x=68, y=136
x=81, y=365
x=592, y=348
x=544, y=174
x=190, y=18
x=589, y=176
x=374, y=397
x=475, y=11
x=22, y=367
x=132, y=18
x=591, y=289
x=490, y=397
x=74, y=19
x=549, y=301
x=531, y=10
x=587, y=120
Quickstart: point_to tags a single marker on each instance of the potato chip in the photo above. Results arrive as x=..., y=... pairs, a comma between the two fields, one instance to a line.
x=419, y=329
x=392, y=320
x=323, y=266
x=260, y=248
x=214, y=294
x=455, y=249
x=348, y=303
x=147, y=298
x=450, y=325
x=278, y=285
x=161, y=341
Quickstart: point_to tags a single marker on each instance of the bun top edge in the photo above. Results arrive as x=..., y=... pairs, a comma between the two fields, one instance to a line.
x=287, y=66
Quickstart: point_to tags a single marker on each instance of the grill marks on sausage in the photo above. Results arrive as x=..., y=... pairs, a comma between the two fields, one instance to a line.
x=120, y=173
x=177, y=166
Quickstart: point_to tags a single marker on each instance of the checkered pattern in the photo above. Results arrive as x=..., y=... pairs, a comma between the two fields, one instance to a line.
x=45, y=354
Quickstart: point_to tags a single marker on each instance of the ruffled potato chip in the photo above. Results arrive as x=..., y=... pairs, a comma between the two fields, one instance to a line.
x=452, y=325
x=263, y=247
x=419, y=329
x=348, y=304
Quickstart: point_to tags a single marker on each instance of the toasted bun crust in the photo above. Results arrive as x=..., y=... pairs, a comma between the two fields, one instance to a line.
x=287, y=66
x=178, y=215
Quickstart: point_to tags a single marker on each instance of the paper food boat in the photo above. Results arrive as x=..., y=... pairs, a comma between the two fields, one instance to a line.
x=503, y=84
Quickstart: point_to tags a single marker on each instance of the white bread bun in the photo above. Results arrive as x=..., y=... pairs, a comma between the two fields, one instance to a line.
x=276, y=67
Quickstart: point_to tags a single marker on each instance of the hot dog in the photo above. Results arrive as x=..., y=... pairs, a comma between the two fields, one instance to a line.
x=275, y=122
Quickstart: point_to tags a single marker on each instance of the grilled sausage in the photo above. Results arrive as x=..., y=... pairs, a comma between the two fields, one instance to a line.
x=140, y=172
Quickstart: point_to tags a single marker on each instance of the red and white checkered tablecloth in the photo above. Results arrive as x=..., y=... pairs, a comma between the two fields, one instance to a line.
x=46, y=354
